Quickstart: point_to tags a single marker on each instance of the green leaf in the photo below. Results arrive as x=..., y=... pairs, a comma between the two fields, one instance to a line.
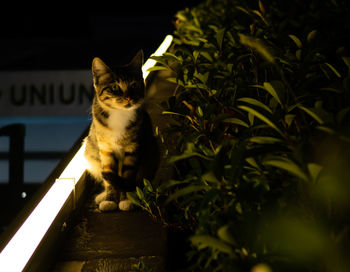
x=243, y=9
x=252, y=162
x=206, y=241
x=255, y=102
x=206, y=55
x=262, y=8
x=296, y=40
x=173, y=113
x=195, y=55
x=225, y=235
x=157, y=68
x=194, y=28
x=287, y=165
x=311, y=113
x=258, y=45
x=202, y=77
x=199, y=111
x=175, y=80
x=251, y=118
x=172, y=57
x=139, y=193
x=333, y=70
x=238, y=208
x=265, y=140
x=231, y=38
x=260, y=15
x=298, y=54
x=271, y=90
x=185, y=191
x=219, y=37
x=190, y=151
x=212, y=92
x=210, y=177
x=262, y=118
x=288, y=118
x=311, y=35
x=346, y=61
x=160, y=59
x=148, y=185
x=133, y=198
x=235, y=121
x=207, y=151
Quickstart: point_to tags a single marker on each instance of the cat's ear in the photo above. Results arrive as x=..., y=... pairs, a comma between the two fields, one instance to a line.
x=137, y=61
x=99, y=68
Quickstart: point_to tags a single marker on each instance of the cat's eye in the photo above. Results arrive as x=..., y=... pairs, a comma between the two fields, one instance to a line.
x=105, y=89
x=117, y=91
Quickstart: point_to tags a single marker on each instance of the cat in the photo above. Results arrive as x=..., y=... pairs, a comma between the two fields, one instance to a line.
x=121, y=148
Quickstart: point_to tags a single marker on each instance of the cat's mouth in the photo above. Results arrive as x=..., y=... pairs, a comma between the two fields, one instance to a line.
x=128, y=102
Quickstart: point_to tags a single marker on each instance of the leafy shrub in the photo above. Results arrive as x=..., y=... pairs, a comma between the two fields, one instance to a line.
x=261, y=122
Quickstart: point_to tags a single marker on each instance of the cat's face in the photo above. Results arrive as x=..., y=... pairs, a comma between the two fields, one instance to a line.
x=121, y=88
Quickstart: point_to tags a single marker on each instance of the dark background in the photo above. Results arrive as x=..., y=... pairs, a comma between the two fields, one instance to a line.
x=56, y=36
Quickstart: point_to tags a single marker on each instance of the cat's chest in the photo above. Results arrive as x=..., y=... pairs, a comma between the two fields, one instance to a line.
x=119, y=120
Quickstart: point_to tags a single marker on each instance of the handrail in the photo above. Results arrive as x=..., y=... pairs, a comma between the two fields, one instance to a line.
x=16, y=132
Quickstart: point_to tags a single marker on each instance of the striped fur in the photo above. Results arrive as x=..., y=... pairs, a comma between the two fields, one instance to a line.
x=120, y=148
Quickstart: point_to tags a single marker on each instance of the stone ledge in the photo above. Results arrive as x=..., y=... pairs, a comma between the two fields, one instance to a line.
x=113, y=242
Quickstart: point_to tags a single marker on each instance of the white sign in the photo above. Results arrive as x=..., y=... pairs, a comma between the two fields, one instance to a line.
x=46, y=93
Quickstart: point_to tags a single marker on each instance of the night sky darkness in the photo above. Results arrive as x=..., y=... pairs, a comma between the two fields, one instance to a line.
x=61, y=38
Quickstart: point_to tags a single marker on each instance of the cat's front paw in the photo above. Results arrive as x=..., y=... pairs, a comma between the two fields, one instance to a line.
x=107, y=205
x=125, y=205
x=106, y=200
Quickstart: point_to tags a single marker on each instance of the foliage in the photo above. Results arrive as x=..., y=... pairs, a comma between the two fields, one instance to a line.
x=261, y=122
x=140, y=267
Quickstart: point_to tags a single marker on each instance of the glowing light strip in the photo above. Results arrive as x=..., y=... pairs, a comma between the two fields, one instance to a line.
x=76, y=167
x=23, y=244
x=15, y=256
x=160, y=51
x=21, y=247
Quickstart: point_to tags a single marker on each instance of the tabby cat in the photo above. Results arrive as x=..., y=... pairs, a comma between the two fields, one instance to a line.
x=121, y=149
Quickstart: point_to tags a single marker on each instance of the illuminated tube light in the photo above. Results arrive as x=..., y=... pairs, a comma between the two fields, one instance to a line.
x=160, y=51
x=23, y=244
x=21, y=247
x=15, y=256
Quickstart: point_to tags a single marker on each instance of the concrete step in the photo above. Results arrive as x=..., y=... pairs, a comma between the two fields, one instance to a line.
x=113, y=242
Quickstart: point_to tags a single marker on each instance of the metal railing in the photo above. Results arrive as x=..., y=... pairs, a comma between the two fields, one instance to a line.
x=16, y=133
